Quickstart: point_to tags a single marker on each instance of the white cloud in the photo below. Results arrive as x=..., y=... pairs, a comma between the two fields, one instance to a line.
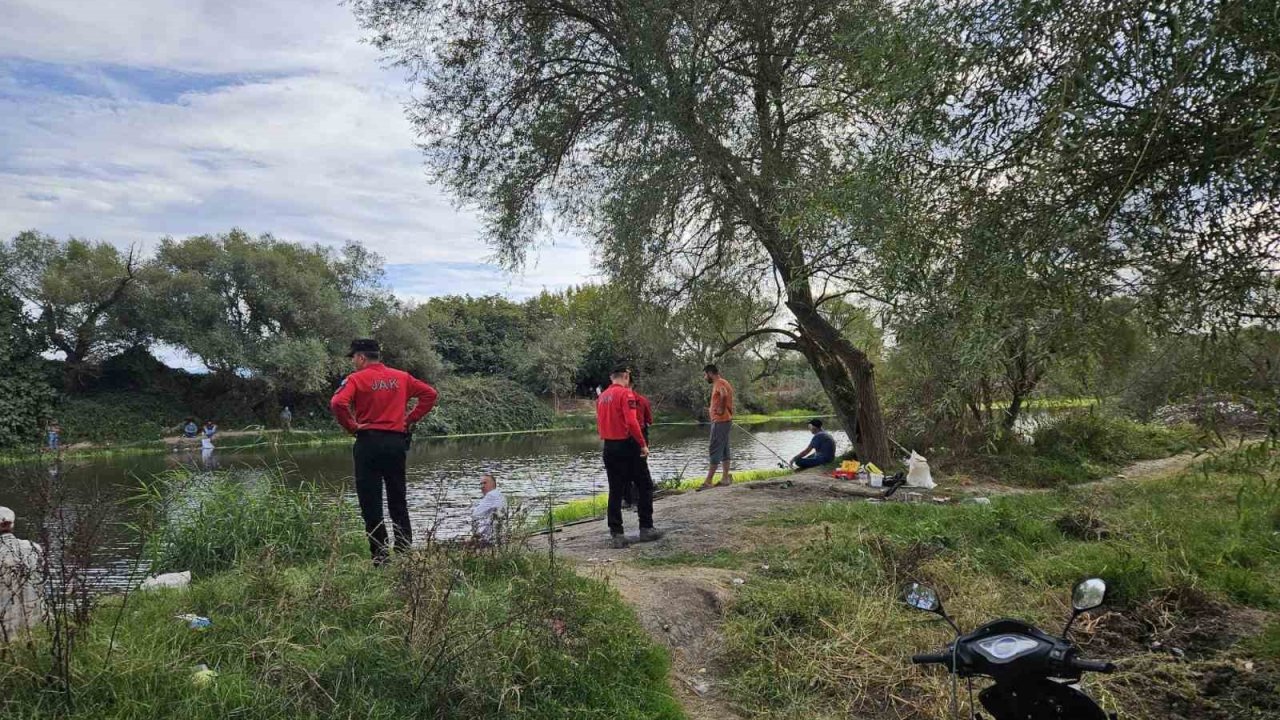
x=192, y=35
x=307, y=141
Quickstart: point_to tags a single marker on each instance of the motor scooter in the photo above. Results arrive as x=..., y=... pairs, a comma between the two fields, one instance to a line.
x=1035, y=674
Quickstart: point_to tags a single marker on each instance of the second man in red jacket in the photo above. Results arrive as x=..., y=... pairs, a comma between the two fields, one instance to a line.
x=625, y=450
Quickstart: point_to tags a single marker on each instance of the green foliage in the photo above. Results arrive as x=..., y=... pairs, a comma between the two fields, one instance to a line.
x=481, y=335
x=83, y=292
x=223, y=519
x=482, y=405
x=821, y=633
x=550, y=362
x=25, y=396
x=119, y=416
x=1080, y=446
x=283, y=310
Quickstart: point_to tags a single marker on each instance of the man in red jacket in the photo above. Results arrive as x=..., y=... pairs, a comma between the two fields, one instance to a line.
x=644, y=413
x=373, y=404
x=625, y=450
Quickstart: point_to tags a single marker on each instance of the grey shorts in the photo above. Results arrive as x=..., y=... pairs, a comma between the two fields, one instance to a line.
x=720, y=441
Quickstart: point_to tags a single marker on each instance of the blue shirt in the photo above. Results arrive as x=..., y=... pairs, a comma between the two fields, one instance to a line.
x=823, y=446
x=190, y=429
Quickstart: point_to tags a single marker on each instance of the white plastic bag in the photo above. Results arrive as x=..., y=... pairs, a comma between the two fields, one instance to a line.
x=918, y=474
x=168, y=580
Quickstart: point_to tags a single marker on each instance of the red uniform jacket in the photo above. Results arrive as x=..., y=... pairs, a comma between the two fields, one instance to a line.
x=616, y=415
x=376, y=396
x=644, y=412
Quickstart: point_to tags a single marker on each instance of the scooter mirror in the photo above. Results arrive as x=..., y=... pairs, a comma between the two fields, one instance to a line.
x=1089, y=594
x=922, y=597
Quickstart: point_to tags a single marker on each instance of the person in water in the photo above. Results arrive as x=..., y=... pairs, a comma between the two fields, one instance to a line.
x=821, y=449
x=488, y=514
x=210, y=429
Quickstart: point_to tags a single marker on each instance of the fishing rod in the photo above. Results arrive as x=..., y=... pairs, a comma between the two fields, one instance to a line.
x=784, y=464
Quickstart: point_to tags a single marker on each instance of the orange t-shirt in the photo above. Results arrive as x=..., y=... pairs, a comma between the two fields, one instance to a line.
x=721, y=401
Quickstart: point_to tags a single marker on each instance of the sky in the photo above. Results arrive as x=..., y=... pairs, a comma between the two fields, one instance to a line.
x=130, y=120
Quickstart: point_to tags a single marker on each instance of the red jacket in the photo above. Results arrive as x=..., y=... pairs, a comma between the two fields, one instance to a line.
x=616, y=415
x=375, y=397
x=644, y=412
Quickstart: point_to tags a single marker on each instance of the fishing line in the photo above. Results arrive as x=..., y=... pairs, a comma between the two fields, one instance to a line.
x=783, y=464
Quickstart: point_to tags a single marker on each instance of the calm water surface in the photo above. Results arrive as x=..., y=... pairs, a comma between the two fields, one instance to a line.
x=443, y=474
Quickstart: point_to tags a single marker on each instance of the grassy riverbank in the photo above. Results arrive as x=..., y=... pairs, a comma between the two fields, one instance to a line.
x=304, y=626
x=1193, y=621
x=594, y=507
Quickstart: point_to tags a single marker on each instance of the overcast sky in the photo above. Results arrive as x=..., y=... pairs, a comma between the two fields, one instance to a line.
x=129, y=120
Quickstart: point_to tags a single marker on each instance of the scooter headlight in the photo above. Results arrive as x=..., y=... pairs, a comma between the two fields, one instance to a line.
x=1006, y=647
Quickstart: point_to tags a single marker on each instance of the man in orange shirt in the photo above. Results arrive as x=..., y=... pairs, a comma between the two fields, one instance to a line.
x=721, y=424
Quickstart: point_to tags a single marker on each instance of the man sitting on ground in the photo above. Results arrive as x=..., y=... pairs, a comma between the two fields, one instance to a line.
x=488, y=514
x=21, y=595
x=821, y=450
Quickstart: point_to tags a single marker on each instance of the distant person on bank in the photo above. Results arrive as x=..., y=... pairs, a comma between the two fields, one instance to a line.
x=53, y=438
x=21, y=581
x=488, y=514
x=210, y=429
x=625, y=452
x=286, y=418
x=821, y=449
x=721, y=412
x=372, y=403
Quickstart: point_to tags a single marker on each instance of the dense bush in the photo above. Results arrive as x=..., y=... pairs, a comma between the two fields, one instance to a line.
x=1082, y=446
x=480, y=404
x=25, y=395
x=118, y=416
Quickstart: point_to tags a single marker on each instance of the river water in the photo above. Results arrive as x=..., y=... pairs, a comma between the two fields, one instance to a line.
x=443, y=474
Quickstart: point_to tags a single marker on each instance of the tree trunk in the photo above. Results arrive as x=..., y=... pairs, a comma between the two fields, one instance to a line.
x=848, y=377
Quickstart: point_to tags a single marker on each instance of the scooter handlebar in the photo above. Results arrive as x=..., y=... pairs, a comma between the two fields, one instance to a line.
x=931, y=659
x=1099, y=666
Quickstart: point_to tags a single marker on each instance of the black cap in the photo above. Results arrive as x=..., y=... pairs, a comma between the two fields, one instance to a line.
x=362, y=345
x=816, y=422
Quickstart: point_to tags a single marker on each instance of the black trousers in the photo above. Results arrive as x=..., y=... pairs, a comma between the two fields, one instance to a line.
x=379, y=460
x=624, y=466
x=629, y=497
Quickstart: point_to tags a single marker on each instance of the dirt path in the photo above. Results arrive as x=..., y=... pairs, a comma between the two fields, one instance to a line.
x=682, y=606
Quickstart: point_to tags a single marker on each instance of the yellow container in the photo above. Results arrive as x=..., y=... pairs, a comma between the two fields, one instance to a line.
x=871, y=468
x=850, y=466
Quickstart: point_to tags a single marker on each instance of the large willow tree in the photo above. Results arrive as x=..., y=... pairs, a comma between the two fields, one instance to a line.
x=683, y=136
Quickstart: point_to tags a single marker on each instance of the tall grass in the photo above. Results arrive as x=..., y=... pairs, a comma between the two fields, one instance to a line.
x=304, y=626
x=213, y=521
x=821, y=634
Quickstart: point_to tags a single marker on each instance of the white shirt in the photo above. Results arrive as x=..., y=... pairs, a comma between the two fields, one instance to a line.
x=490, y=507
x=21, y=581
